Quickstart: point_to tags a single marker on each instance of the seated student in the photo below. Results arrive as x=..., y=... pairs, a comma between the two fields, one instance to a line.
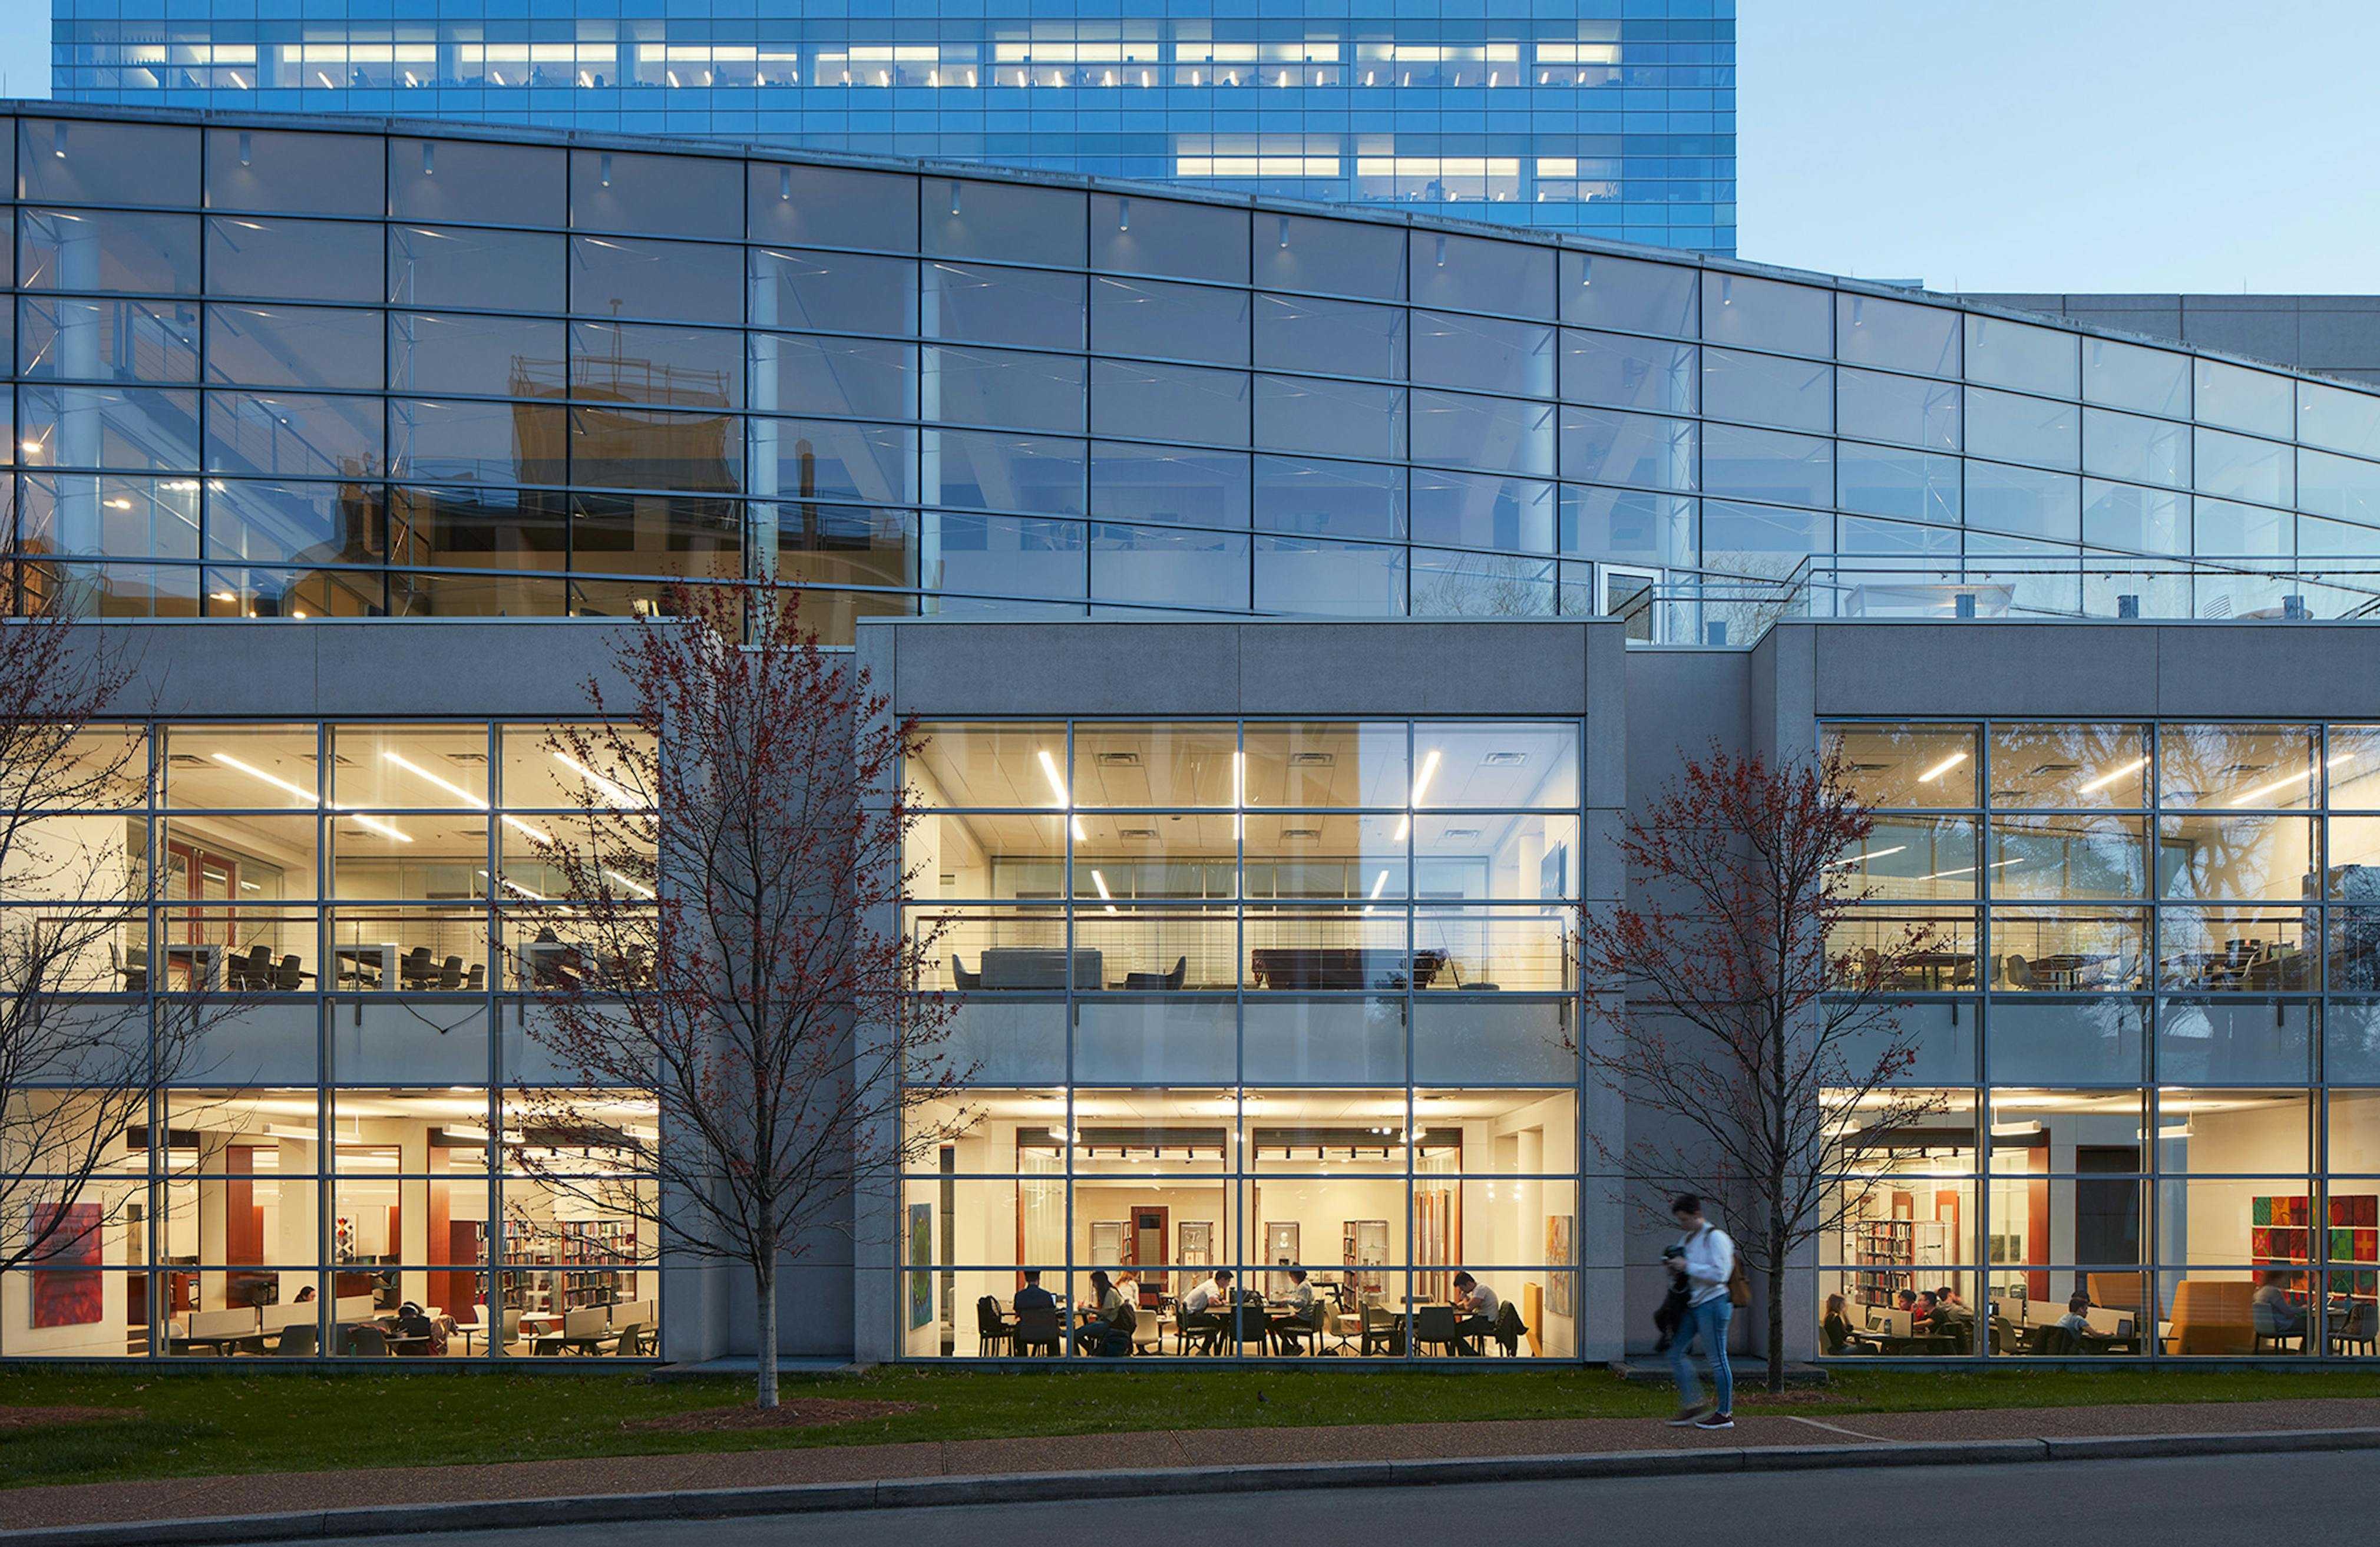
x=1478, y=1305
x=1110, y=1311
x=1906, y=1300
x=2077, y=1319
x=1033, y=1294
x=1204, y=1308
x=411, y=1323
x=2287, y=1320
x=1836, y=1328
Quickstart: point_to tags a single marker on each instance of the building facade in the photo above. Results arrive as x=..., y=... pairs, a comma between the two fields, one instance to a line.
x=1613, y=120
x=2331, y=335
x=1285, y=591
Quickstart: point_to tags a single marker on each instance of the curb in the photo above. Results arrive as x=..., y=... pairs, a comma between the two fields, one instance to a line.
x=1049, y=1487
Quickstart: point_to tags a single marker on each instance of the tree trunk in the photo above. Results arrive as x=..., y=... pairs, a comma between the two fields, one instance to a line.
x=764, y=1279
x=1775, y=1315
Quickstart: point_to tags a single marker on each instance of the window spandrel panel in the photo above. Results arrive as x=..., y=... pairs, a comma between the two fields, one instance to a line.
x=1311, y=575
x=1016, y=223
x=1321, y=256
x=1134, y=234
x=2021, y=358
x=2143, y=381
x=1003, y=556
x=1897, y=336
x=1630, y=294
x=2239, y=398
x=277, y=172
x=1469, y=274
x=95, y=162
x=1767, y=315
x=665, y=195
x=831, y=206
x=476, y=182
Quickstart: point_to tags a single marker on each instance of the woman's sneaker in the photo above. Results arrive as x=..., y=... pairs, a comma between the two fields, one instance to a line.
x=1716, y=1420
x=1689, y=1416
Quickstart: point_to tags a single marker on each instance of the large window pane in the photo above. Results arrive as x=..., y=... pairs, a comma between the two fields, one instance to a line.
x=1897, y=336
x=1170, y=484
x=108, y=250
x=1515, y=359
x=1767, y=315
x=1768, y=465
x=510, y=271
x=1604, y=447
x=1768, y=389
x=2027, y=358
x=1635, y=297
x=693, y=282
x=1330, y=418
x=1016, y=306
x=1327, y=337
x=1168, y=401
x=1168, y=322
x=294, y=259
x=310, y=348
x=1897, y=408
x=475, y=356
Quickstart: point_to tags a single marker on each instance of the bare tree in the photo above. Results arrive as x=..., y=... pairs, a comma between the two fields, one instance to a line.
x=83, y=1040
x=1745, y=1013
x=734, y=951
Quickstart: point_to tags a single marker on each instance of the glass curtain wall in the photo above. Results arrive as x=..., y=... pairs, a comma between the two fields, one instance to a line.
x=356, y=906
x=1281, y=1000
x=2146, y=1009
x=270, y=373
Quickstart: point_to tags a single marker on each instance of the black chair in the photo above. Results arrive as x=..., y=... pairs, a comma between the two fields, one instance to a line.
x=1433, y=1327
x=1157, y=983
x=450, y=975
x=1203, y=1327
x=1509, y=1329
x=1301, y=1333
x=296, y=1341
x=476, y=980
x=366, y=1342
x=962, y=977
x=1382, y=1334
x=247, y=971
x=1037, y=1329
x=288, y=978
x=630, y=1343
x=413, y=968
x=995, y=1331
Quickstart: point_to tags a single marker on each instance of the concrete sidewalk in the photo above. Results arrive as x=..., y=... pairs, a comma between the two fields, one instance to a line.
x=1173, y=1460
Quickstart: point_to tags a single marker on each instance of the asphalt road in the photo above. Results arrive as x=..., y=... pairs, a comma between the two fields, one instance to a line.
x=2221, y=1502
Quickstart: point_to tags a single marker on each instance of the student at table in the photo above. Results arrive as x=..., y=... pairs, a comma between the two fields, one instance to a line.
x=1111, y=1312
x=411, y=1323
x=2077, y=1319
x=1837, y=1329
x=1478, y=1304
x=1204, y=1306
x=1033, y=1294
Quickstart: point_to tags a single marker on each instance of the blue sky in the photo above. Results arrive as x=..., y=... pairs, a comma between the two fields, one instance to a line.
x=2013, y=144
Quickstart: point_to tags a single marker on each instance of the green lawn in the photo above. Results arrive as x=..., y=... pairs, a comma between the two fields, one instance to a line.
x=190, y=1424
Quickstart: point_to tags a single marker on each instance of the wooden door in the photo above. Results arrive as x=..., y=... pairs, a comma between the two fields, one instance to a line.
x=1150, y=1229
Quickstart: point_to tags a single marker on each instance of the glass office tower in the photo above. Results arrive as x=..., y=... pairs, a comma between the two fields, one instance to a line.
x=1610, y=116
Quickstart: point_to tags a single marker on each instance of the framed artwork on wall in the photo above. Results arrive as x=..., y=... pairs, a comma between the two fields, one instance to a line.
x=1559, y=1290
x=64, y=1294
x=921, y=1251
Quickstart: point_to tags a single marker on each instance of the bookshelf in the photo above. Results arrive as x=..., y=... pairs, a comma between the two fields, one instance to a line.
x=1887, y=1253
